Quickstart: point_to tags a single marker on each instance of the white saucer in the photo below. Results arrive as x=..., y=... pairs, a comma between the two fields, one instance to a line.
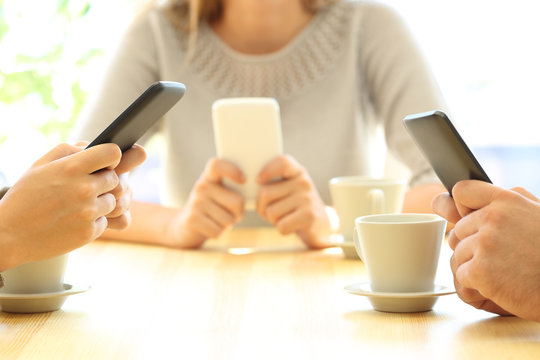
x=347, y=247
x=400, y=302
x=34, y=303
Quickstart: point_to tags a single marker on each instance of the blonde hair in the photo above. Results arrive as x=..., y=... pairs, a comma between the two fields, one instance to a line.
x=187, y=15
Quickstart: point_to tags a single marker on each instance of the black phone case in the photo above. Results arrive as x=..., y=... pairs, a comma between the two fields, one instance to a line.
x=444, y=148
x=144, y=112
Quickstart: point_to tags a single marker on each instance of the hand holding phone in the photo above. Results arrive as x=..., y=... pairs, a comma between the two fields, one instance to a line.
x=444, y=148
x=248, y=133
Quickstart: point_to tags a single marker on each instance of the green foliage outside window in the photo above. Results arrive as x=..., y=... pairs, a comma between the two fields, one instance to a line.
x=33, y=75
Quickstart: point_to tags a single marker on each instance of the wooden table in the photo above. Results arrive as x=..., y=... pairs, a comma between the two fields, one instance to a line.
x=251, y=295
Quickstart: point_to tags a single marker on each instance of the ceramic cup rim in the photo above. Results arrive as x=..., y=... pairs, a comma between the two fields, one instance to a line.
x=398, y=218
x=366, y=181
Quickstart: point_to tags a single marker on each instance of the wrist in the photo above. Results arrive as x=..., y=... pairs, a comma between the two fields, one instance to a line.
x=8, y=246
x=179, y=234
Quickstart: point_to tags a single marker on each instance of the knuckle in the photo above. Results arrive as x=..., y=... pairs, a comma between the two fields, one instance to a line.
x=212, y=164
x=113, y=152
x=110, y=201
x=113, y=178
x=119, y=223
x=87, y=214
x=201, y=187
x=485, y=241
x=65, y=147
x=86, y=190
x=198, y=202
x=492, y=215
x=309, y=216
x=304, y=183
x=518, y=189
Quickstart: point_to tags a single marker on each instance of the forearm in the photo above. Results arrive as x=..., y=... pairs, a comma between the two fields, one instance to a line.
x=149, y=224
x=418, y=199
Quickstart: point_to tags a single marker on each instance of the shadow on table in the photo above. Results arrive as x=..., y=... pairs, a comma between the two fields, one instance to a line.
x=503, y=328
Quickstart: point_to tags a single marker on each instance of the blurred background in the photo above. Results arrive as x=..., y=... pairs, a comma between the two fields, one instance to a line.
x=484, y=55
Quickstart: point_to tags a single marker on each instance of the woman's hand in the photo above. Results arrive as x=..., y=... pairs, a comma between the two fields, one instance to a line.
x=211, y=207
x=289, y=200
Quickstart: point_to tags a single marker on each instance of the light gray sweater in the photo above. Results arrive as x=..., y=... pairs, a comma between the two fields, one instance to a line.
x=343, y=85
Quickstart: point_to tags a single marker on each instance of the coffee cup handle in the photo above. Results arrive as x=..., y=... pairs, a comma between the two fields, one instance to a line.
x=357, y=243
x=376, y=200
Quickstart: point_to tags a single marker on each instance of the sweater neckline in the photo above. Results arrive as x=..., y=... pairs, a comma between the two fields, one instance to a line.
x=281, y=74
x=283, y=51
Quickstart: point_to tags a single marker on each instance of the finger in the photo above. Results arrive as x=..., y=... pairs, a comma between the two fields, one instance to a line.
x=281, y=167
x=464, y=274
x=131, y=158
x=122, y=205
x=525, y=193
x=218, y=214
x=105, y=204
x=206, y=226
x=469, y=225
x=463, y=252
x=217, y=169
x=105, y=181
x=273, y=192
x=82, y=143
x=120, y=222
x=444, y=205
x=293, y=221
x=97, y=157
x=100, y=225
x=58, y=152
x=122, y=187
x=470, y=296
x=474, y=194
x=277, y=209
x=225, y=198
x=453, y=240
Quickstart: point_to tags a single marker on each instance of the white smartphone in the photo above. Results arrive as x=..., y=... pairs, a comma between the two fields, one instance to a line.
x=247, y=132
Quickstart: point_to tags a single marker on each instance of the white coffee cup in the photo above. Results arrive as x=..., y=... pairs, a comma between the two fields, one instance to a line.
x=36, y=277
x=401, y=251
x=354, y=196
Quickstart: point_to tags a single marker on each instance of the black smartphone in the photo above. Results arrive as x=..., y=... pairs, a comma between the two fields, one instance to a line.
x=444, y=148
x=144, y=112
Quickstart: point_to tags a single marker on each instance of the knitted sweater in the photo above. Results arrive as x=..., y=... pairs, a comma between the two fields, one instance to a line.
x=343, y=85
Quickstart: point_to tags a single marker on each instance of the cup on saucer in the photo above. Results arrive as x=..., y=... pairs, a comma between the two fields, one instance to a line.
x=36, y=286
x=36, y=277
x=401, y=254
x=354, y=196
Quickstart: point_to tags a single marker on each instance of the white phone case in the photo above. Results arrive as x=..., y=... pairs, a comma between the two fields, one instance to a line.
x=248, y=133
